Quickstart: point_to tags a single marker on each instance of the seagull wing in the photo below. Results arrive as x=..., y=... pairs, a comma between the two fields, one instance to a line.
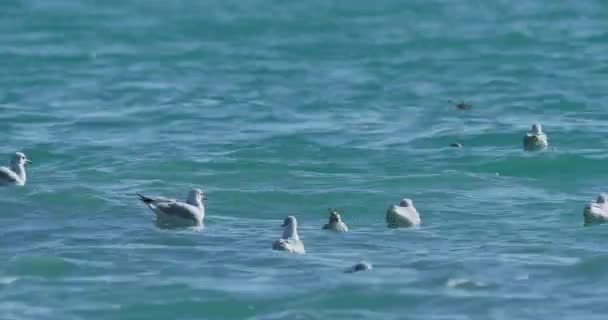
x=178, y=209
x=7, y=175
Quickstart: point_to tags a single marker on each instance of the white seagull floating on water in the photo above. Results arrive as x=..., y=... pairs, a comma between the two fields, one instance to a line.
x=536, y=139
x=15, y=175
x=290, y=241
x=596, y=212
x=170, y=211
x=404, y=215
x=335, y=222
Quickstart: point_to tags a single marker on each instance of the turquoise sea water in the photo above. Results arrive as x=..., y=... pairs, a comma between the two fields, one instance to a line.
x=276, y=108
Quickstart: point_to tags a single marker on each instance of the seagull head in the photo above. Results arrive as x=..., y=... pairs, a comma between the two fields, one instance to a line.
x=196, y=196
x=290, y=228
x=537, y=128
x=405, y=202
x=19, y=159
x=602, y=198
x=334, y=216
x=290, y=221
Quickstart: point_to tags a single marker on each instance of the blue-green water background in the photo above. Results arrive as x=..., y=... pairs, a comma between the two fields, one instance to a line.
x=278, y=107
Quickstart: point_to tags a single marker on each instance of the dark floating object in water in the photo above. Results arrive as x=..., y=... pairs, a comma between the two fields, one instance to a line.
x=456, y=145
x=361, y=266
x=461, y=105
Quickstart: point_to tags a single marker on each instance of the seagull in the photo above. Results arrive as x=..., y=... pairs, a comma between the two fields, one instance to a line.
x=536, y=139
x=170, y=211
x=335, y=222
x=15, y=175
x=290, y=241
x=404, y=215
x=597, y=211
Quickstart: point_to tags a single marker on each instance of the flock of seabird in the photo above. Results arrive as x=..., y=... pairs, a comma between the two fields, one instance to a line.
x=192, y=211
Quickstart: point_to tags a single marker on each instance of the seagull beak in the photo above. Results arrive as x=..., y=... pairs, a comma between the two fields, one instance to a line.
x=204, y=197
x=28, y=161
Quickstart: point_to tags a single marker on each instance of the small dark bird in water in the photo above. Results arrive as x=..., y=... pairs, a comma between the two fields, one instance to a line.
x=361, y=266
x=456, y=145
x=461, y=105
